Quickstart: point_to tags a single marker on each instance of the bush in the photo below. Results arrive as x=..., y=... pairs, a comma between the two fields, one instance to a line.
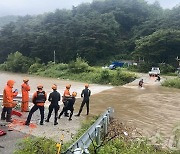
x=36, y=145
x=166, y=68
x=36, y=67
x=119, y=145
x=175, y=83
x=104, y=77
x=16, y=62
x=78, y=66
x=3, y=67
x=61, y=67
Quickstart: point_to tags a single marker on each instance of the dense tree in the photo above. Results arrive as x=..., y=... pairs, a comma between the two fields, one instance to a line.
x=97, y=32
x=162, y=46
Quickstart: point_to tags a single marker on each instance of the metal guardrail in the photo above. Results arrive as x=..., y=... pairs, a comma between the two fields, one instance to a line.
x=17, y=98
x=94, y=132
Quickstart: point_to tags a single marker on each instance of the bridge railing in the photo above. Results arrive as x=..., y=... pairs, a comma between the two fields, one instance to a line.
x=95, y=132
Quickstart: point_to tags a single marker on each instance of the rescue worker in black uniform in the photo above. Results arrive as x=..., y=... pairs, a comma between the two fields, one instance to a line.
x=86, y=93
x=39, y=98
x=158, y=78
x=54, y=98
x=70, y=105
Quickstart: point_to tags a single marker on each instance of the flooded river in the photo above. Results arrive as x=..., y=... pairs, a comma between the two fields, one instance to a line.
x=151, y=109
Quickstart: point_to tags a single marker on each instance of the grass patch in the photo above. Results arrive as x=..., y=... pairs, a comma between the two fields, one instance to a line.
x=85, y=126
x=175, y=83
x=119, y=146
x=36, y=145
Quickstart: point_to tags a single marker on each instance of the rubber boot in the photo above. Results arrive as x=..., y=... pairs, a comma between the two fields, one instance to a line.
x=8, y=118
x=66, y=114
x=70, y=117
x=27, y=123
x=77, y=115
x=48, y=117
x=47, y=120
x=3, y=116
x=55, y=122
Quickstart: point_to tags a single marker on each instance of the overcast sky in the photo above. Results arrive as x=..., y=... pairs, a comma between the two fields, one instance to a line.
x=23, y=7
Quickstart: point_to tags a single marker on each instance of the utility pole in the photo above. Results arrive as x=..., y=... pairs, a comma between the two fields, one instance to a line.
x=177, y=58
x=54, y=56
x=178, y=69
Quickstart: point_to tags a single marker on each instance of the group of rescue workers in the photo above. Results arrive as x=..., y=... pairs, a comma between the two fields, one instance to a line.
x=39, y=98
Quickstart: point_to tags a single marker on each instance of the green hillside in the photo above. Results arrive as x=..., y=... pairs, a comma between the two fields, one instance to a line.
x=98, y=32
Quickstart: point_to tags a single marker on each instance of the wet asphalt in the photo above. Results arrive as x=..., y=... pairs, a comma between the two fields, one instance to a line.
x=9, y=142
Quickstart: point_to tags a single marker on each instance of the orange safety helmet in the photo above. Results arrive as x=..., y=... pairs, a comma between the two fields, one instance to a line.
x=54, y=87
x=40, y=86
x=68, y=86
x=74, y=94
x=86, y=85
x=25, y=80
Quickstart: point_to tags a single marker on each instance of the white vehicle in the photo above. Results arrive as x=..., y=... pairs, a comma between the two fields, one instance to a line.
x=155, y=71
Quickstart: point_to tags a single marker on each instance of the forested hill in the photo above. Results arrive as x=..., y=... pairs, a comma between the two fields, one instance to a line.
x=7, y=19
x=97, y=32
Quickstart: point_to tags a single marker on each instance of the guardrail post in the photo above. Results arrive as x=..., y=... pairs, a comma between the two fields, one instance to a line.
x=108, y=115
x=111, y=111
x=105, y=124
x=98, y=135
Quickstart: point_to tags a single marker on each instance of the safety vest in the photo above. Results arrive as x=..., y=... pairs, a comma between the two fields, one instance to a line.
x=41, y=98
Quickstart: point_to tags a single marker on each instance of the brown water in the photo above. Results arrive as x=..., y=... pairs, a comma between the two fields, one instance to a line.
x=47, y=83
x=151, y=109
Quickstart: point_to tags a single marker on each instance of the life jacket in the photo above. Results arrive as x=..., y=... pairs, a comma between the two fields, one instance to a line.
x=65, y=95
x=41, y=98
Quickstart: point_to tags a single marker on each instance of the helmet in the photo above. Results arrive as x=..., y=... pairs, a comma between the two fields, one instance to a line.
x=40, y=86
x=68, y=86
x=54, y=86
x=86, y=85
x=25, y=80
x=74, y=94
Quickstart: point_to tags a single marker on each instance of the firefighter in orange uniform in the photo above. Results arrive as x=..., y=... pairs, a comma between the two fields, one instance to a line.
x=25, y=88
x=8, y=102
x=39, y=98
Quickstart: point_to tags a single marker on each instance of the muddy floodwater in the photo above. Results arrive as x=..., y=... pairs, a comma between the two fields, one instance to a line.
x=151, y=109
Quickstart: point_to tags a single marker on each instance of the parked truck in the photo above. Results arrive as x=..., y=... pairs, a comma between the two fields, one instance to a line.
x=155, y=71
x=114, y=65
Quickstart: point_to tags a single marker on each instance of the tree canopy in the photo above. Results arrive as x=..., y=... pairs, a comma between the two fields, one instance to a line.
x=96, y=32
